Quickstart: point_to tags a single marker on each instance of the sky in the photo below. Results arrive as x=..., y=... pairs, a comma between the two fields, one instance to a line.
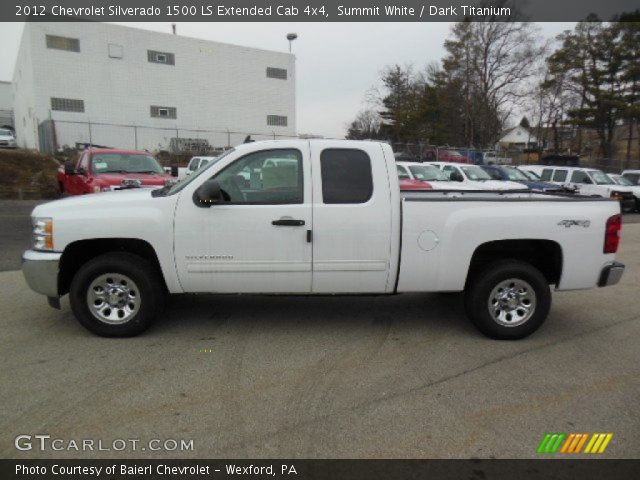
x=336, y=63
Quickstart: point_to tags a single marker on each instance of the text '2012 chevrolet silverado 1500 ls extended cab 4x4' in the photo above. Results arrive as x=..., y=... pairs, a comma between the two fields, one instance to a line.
x=318, y=217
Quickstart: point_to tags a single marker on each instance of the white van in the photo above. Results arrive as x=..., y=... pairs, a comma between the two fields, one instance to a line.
x=590, y=182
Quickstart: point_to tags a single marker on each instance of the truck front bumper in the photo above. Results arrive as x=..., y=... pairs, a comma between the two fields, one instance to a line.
x=611, y=274
x=40, y=269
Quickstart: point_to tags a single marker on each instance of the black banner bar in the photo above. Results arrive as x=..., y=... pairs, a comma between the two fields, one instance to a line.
x=578, y=469
x=310, y=10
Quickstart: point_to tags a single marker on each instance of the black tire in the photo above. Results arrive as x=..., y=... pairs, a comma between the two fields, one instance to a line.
x=480, y=288
x=149, y=292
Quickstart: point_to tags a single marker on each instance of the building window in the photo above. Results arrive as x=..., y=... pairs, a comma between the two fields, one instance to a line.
x=276, y=120
x=115, y=51
x=163, y=112
x=161, y=57
x=279, y=73
x=67, y=105
x=63, y=43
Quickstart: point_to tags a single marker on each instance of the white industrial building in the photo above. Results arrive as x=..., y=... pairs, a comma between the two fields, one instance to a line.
x=129, y=88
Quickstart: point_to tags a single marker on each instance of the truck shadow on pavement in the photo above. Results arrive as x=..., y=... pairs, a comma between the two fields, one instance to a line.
x=441, y=313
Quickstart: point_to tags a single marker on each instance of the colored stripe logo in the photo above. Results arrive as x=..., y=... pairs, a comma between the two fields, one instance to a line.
x=574, y=443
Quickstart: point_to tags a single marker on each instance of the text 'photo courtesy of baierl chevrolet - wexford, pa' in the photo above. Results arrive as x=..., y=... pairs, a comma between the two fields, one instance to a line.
x=319, y=240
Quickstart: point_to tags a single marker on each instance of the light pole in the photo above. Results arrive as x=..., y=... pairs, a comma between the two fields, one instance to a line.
x=291, y=37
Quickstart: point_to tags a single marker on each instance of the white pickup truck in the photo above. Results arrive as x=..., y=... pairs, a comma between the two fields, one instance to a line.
x=317, y=217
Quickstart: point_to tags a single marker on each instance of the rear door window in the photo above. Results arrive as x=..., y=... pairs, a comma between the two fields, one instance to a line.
x=560, y=175
x=193, y=164
x=346, y=176
x=579, y=177
x=546, y=174
x=633, y=178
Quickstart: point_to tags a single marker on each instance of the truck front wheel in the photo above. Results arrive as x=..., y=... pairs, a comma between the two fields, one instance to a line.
x=508, y=300
x=116, y=295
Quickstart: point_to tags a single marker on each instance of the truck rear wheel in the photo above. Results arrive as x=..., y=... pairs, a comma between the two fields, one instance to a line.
x=508, y=300
x=116, y=295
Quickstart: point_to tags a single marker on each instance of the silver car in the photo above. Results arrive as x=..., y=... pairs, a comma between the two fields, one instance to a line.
x=7, y=138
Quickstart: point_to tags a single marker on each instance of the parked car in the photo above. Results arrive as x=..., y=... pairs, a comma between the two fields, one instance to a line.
x=336, y=223
x=533, y=169
x=590, y=182
x=632, y=175
x=404, y=157
x=198, y=162
x=407, y=184
x=476, y=177
x=7, y=138
x=102, y=170
x=423, y=172
x=444, y=155
x=508, y=173
x=625, y=182
x=492, y=158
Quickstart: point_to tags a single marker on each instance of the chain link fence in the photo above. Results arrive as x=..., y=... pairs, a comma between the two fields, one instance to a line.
x=56, y=135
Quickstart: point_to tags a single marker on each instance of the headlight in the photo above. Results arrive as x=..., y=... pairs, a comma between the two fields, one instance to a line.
x=43, y=234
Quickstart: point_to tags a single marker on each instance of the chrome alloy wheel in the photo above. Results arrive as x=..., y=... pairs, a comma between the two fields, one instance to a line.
x=113, y=298
x=512, y=302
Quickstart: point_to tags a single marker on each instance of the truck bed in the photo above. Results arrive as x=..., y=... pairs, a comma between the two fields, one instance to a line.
x=493, y=196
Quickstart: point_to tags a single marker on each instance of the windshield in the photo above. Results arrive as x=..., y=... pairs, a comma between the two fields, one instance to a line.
x=600, y=178
x=428, y=173
x=6, y=133
x=180, y=185
x=516, y=175
x=475, y=173
x=530, y=175
x=124, y=163
x=620, y=180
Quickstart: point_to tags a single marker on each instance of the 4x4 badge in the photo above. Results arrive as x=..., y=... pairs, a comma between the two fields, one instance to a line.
x=578, y=223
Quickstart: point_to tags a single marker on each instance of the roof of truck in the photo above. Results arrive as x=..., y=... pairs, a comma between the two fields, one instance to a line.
x=117, y=151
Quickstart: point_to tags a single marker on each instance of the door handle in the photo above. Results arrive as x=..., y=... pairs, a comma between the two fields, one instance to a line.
x=288, y=222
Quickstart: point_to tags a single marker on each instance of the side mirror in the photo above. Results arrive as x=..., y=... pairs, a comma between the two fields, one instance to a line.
x=69, y=169
x=174, y=170
x=587, y=181
x=209, y=193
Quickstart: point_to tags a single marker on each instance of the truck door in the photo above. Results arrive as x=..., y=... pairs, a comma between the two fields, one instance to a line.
x=352, y=218
x=76, y=183
x=582, y=181
x=257, y=240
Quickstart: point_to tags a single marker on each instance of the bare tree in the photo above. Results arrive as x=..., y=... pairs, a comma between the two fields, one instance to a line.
x=496, y=62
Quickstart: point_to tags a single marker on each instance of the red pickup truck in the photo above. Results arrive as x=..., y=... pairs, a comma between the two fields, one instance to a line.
x=102, y=170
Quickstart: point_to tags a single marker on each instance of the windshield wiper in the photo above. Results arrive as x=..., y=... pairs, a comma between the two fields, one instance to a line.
x=161, y=192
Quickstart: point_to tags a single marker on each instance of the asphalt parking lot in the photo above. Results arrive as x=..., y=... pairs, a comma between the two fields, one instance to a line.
x=305, y=377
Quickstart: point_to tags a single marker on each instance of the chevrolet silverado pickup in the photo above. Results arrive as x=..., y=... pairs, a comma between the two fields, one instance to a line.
x=320, y=217
x=105, y=169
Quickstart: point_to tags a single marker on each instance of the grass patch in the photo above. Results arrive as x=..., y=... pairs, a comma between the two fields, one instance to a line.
x=27, y=174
